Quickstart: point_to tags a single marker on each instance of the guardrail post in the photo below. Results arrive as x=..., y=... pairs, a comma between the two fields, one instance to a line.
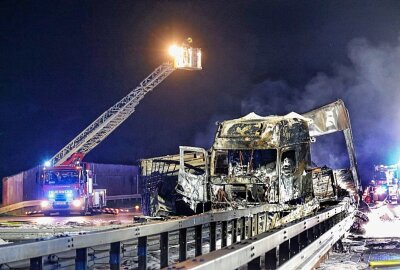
x=234, y=231
x=331, y=222
x=254, y=264
x=325, y=226
x=198, y=240
x=303, y=240
x=36, y=263
x=142, y=252
x=182, y=244
x=250, y=223
x=294, y=245
x=271, y=259
x=335, y=220
x=311, y=236
x=243, y=229
x=213, y=236
x=315, y=232
x=256, y=223
x=224, y=233
x=337, y=217
x=115, y=252
x=328, y=224
x=341, y=215
x=284, y=252
x=81, y=259
x=164, y=249
x=321, y=228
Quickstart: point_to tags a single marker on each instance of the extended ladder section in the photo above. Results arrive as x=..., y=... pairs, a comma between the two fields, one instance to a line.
x=186, y=58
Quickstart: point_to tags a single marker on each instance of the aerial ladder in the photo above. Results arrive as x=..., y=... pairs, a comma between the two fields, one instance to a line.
x=184, y=57
x=67, y=184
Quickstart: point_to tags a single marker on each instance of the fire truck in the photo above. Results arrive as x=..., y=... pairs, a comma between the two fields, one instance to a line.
x=69, y=188
x=66, y=182
x=385, y=185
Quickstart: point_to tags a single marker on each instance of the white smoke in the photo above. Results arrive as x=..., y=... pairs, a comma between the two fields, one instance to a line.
x=370, y=88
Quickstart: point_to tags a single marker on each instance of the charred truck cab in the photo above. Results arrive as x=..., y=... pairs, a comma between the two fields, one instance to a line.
x=253, y=160
x=69, y=188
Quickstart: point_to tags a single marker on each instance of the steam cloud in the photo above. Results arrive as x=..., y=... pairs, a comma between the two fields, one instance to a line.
x=370, y=88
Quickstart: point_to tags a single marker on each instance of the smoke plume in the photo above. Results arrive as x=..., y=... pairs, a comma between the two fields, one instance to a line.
x=370, y=87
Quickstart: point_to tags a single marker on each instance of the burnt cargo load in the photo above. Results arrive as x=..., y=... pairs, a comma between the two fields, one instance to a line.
x=159, y=181
x=117, y=179
x=323, y=183
x=254, y=160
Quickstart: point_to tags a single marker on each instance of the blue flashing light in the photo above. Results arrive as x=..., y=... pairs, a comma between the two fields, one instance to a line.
x=47, y=163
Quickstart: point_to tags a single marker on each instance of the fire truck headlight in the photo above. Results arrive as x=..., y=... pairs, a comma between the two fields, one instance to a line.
x=45, y=204
x=51, y=194
x=69, y=194
x=76, y=203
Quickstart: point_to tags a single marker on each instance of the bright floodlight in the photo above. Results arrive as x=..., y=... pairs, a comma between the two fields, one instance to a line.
x=185, y=57
x=173, y=50
x=47, y=163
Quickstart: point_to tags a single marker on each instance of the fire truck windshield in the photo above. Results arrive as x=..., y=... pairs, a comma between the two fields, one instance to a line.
x=61, y=177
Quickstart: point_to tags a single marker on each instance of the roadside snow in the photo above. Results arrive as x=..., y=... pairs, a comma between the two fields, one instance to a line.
x=2, y=242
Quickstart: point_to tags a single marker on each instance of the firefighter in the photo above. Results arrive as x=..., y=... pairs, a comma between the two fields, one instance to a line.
x=371, y=191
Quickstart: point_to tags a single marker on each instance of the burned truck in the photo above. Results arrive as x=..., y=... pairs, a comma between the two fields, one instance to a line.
x=253, y=160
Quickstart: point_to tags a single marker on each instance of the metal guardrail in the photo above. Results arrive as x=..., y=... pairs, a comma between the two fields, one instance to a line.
x=123, y=197
x=20, y=205
x=312, y=254
x=245, y=219
x=278, y=246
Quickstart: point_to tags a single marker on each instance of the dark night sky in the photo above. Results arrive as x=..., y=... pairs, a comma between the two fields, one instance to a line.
x=63, y=63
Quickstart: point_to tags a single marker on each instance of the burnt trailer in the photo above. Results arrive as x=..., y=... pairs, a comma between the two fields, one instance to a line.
x=117, y=179
x=253, y=160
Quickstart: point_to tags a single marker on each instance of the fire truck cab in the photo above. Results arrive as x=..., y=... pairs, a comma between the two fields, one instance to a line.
x=385, y=185
x=70, y=189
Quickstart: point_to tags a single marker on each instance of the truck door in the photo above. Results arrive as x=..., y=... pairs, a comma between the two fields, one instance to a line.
x=193, y=175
